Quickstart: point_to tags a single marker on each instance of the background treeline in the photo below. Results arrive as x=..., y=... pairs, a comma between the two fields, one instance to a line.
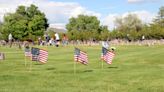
x=30, y=23
x=130, y=28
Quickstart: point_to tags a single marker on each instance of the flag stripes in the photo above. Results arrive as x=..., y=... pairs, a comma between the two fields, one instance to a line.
x=109, y=57
x=34, y=57
x=83, y=58
x=27, y=54
x=75, y=57
x=43, y=56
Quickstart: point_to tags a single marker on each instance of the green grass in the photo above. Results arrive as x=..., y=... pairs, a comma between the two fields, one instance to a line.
x=134, y=69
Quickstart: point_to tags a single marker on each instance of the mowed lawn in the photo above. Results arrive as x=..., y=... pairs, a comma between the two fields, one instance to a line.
x=134, y=69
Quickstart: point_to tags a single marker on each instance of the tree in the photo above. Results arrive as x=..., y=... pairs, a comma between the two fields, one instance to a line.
x=1, y=36
x=160, y=17
x=85, y=28
x=132, y=22
x=129, y=23
x=157, y=27
x=119, y=24
x=104, y=33
x=83, y=23
x=25, y=23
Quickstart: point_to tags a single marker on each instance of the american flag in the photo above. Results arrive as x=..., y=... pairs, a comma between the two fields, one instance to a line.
x=80, y=56
x=107, y=55
x=43, y=55
x=39, y=55
x=27, y=52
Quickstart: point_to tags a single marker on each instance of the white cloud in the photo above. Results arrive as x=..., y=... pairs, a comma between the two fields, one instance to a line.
x=134, y=1
x=109, y=20
x=10, y=6
x=145, y=16
x=82, y=10
x=143, y=1
x=58, y=25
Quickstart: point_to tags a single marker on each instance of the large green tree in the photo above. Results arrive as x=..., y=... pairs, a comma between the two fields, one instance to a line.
x=84, y=27
x=25, y=23
x=83, y=23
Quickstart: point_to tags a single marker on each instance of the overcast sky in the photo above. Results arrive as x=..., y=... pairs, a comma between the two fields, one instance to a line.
x=58, y=12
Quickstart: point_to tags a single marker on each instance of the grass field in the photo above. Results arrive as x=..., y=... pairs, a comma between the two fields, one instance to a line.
x=134, y=69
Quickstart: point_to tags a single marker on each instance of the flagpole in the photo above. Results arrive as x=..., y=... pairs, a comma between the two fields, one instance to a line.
x=74, y=67
x=102, y=64
x=30, y=66
x=25, y=62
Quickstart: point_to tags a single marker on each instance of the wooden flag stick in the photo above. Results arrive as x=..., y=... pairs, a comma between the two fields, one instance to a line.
x=30, y=66
x=25, y=62
x=102, y=64
x=74, y=67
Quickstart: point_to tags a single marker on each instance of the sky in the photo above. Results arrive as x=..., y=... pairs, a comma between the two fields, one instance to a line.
x=58, y=12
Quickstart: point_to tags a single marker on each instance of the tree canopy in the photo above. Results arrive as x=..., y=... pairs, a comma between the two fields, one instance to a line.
x=85, y=27
x=131, y=27
x=128, y=23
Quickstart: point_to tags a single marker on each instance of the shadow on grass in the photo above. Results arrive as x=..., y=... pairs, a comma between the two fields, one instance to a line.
x=38, y=64
x=50, y=68
x=72, y=71
x=88, y=71
x=113, y=67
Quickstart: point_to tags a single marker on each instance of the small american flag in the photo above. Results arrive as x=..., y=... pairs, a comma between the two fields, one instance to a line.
x=107, y=55
x=43, y=55
x=80, y=56
x=39, y=55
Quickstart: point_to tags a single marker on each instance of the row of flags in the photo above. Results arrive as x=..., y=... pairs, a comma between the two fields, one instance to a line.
x=37, y=54
x=82, y=57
